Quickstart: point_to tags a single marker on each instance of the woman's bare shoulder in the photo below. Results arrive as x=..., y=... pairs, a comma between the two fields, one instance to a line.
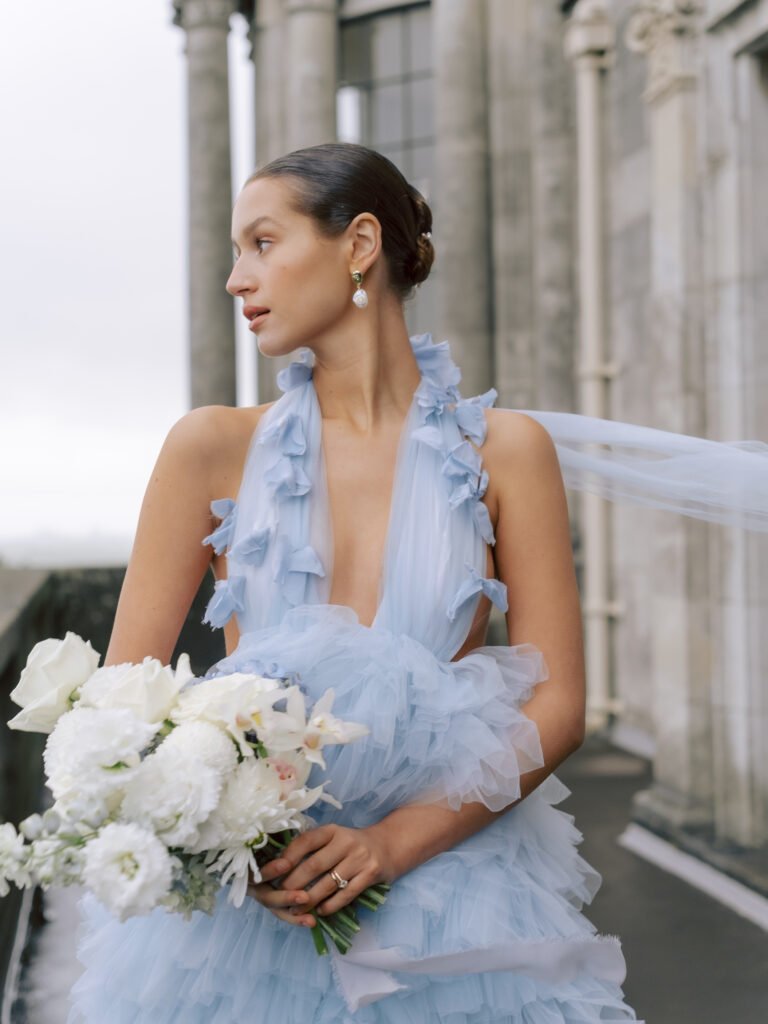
x=215, y=438
x=515, y=438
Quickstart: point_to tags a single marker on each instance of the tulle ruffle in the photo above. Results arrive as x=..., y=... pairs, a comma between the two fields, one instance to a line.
x=439, y=730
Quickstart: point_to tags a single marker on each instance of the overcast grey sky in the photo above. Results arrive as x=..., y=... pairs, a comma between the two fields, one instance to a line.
x=93, y=322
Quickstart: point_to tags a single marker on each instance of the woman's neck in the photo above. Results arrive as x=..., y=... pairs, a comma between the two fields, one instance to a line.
x=368, y=374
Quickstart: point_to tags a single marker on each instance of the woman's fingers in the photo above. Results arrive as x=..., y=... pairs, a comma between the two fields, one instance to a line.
x=281, y=902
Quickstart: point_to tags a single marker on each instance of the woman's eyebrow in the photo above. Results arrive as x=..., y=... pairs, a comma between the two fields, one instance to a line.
x=254, y=224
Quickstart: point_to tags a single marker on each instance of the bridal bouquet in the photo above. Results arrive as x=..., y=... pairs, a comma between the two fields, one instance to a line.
x=167, y=787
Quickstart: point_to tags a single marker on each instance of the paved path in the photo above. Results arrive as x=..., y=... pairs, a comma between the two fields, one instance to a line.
x=690, y=960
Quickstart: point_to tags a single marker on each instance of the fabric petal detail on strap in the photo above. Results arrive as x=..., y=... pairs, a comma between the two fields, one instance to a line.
x=462, y=462
x=292, y=567
x=483, y=522
x=296, y=373
x=228, y=597
x=287, y=479
x=493, y=589
x=252, y=549
x=287, y=433
x=470, y=416
x=219, y=539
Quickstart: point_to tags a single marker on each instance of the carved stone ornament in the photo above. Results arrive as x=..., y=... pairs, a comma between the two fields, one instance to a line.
x=189, y=14
x=589, y=32
x=666, y=31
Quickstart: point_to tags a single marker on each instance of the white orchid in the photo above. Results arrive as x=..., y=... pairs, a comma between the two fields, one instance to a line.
x=49, y=683
x=321, y=730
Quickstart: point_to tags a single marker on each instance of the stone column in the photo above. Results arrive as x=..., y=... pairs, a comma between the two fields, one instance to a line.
x=269, y=41
x=462, y=211
x=511, y=216
x=268, y=36
x=737, y=167
x=211, y=310
x=295, y=53
x=589, y=43
x=667, y=32
x=311, y=62
x=552, y=202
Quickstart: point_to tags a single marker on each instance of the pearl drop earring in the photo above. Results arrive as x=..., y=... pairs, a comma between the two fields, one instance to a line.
x=360, y=298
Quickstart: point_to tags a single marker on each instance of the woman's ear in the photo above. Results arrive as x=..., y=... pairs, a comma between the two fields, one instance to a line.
x=365, y=237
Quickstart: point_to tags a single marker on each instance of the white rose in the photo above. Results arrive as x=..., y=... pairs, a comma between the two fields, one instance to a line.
x=128, y=869
x=93, y=751
x=171, y=794
x=149, y=689
x=54, y=671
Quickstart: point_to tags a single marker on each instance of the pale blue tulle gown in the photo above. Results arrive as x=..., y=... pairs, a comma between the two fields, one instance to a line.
x=490, y=930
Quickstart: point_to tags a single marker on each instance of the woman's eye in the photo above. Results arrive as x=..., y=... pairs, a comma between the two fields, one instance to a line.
x=262, y=241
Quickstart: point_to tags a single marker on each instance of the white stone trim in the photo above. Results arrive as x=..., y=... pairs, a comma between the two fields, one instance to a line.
x=732, y=894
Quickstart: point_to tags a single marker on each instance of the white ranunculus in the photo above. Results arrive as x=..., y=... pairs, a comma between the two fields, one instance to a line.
x=148, y=689
x=172, y=793
x=240, y=703
x=209, y=743
x=128, y=869
x=49, y=682
x=94, y=752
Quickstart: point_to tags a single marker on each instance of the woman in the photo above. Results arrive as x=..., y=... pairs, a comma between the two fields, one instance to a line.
x=366, y=522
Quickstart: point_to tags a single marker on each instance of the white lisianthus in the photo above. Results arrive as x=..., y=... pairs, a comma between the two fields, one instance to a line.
x=94, y=751
x=49, y=683
x=171, y=793
x=240, y=702
x=205, y=741
x=128, y=869
x=149, y=689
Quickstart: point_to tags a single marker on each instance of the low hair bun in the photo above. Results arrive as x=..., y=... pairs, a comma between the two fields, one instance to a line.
x=424, y=252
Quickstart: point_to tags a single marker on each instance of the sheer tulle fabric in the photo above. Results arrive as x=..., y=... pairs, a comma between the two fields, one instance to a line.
x=491, y=930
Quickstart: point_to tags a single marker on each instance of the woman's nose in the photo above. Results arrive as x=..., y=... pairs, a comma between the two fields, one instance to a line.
x=236, y=284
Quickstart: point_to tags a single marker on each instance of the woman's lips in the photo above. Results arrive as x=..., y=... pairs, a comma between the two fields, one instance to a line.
x=258, y=320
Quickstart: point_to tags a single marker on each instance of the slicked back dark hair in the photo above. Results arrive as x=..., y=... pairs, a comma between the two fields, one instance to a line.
x=335, y=181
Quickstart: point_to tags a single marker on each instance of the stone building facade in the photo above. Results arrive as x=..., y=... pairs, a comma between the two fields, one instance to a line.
x=598, y=174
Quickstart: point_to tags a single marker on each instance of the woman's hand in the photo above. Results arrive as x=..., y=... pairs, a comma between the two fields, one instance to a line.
x=360, y=855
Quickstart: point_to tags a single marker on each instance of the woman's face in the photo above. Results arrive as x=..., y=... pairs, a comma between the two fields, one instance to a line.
x=285, y=266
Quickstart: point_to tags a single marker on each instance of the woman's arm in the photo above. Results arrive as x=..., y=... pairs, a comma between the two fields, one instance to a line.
x=168, y=559
x=533, y=557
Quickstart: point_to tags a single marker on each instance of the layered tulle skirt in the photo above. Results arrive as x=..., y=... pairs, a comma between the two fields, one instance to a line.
x=490, y=930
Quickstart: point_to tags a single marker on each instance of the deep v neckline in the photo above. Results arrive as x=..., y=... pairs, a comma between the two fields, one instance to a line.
x=404, y=439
